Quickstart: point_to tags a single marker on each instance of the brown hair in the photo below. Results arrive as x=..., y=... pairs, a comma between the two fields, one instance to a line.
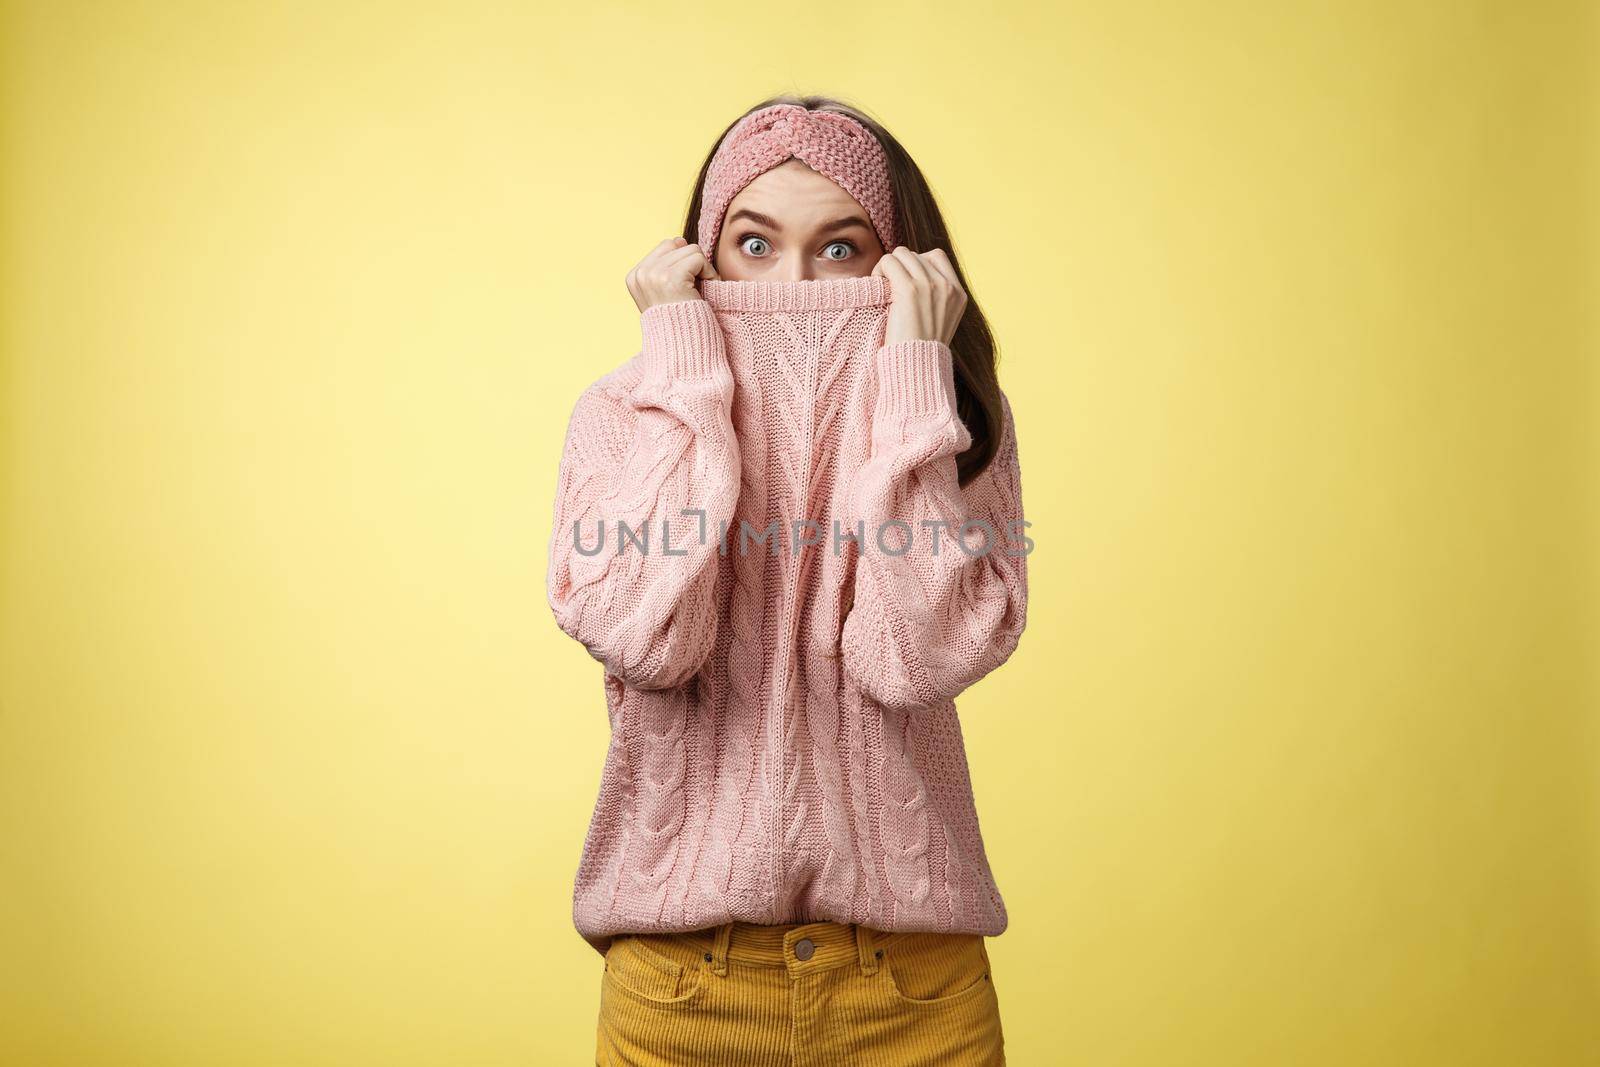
x=922, y=229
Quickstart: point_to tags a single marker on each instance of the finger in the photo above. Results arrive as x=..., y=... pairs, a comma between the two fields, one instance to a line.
x=913, y=265
x=678, y=258
x=680, y=251
x=942, y=279
x=893, y=269
x=706, y=269
x=941, y=263
x=692, y=260
x=662, y=248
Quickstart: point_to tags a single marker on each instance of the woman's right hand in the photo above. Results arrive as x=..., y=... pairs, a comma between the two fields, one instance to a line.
x=668, y=274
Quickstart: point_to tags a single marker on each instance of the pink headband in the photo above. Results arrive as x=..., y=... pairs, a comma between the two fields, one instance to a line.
x=833, y=145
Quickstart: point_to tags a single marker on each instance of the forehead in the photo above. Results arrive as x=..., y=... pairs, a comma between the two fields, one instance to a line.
x=793, y=191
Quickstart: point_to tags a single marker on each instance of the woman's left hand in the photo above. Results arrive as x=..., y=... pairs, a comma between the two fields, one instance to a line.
x=928, y=299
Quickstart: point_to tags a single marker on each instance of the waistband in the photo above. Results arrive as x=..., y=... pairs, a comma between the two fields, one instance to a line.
x=826, y=945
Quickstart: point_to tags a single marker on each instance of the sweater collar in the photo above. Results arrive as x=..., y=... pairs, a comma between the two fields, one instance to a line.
x=827, y=294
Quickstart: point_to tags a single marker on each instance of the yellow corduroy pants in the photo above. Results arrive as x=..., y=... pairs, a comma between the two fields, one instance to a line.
x=817, y=994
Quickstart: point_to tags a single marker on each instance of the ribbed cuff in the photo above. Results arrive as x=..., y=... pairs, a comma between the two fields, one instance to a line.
x=916, y=378
x=682, y=340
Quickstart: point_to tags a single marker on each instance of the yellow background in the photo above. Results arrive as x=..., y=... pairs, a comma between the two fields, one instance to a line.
x=1296, y=763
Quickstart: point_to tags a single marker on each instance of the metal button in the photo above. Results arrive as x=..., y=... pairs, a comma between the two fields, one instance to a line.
x=804, y=947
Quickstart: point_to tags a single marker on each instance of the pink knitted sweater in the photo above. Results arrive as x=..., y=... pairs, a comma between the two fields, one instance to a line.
x=784, y=739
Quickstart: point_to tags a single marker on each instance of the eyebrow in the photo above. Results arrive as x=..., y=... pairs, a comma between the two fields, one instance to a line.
x=845, y=223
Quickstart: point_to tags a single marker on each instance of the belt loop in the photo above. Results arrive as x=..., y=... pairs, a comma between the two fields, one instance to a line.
x=719, y=949
x=867, y=954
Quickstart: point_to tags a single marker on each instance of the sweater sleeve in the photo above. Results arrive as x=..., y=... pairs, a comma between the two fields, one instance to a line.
x=648, y=480
x=929, y=621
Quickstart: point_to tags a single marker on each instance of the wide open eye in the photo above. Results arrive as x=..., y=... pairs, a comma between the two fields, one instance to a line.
x=755, y=246
x=838, y=250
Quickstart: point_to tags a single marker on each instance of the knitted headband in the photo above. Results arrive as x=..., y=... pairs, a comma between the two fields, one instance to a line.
x=834, y=145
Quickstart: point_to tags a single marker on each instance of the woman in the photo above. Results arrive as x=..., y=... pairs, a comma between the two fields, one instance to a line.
x=791, y=530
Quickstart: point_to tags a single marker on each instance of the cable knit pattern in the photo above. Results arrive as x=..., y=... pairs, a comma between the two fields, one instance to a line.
x=784, y=744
